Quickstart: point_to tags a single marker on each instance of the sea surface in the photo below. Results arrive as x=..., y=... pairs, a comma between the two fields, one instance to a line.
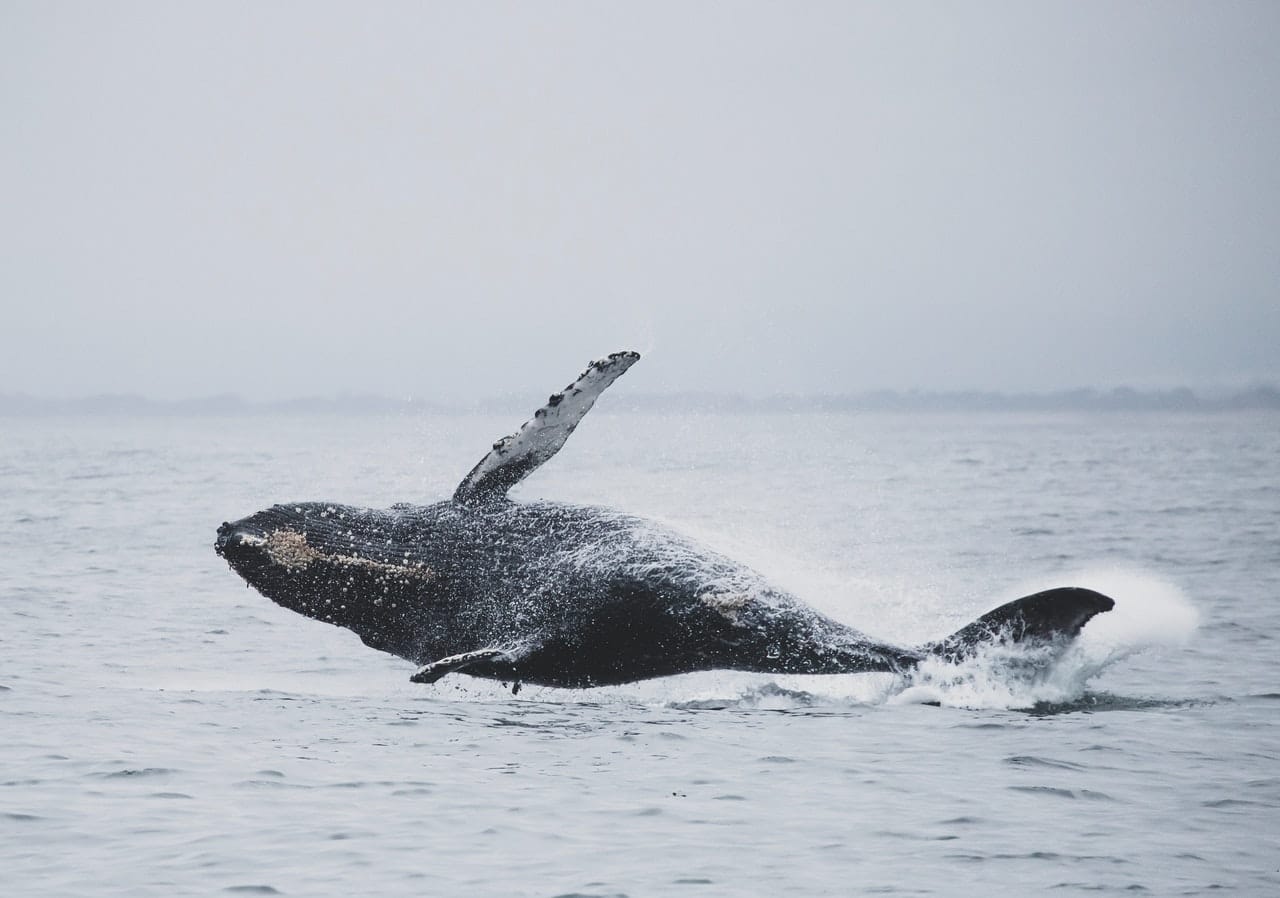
x=165, y=731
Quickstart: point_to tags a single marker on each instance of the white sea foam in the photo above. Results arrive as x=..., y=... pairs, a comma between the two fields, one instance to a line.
x=1150, y=612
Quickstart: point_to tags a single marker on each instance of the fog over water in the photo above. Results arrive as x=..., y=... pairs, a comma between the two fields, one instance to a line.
x=426, y=200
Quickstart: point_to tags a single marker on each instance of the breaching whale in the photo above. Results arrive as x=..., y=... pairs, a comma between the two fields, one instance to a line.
x=567, y=595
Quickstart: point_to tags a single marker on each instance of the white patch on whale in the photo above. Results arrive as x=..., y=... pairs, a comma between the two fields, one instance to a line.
x=290, y=550
x=729, y=604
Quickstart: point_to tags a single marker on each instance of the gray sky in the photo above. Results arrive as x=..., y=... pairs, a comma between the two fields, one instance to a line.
x=419, y=199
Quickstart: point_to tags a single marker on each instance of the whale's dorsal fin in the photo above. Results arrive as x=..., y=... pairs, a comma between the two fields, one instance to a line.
x=514, y=457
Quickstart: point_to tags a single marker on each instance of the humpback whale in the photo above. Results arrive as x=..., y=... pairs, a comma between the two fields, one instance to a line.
x=571, y=596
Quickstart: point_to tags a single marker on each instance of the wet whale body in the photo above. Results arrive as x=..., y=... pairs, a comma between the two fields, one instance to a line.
x=571, y=596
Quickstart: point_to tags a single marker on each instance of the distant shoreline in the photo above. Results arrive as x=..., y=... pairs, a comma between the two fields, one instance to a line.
x=1121, y=399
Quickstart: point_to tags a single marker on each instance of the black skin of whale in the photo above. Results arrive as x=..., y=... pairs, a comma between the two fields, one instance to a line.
x=449, y=579
x=565, y=595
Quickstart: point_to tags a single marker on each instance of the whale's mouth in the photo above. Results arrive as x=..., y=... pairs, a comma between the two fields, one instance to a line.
x=286, y=548
x=228, y=538
x=278, y=535
x=233, y=538
x=272, y=544
x=266, y=544
x=240, y=541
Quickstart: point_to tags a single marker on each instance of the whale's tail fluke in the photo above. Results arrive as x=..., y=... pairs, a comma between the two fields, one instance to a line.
x=1052, y=616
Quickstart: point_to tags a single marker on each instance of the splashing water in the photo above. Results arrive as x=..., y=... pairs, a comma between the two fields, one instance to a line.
x=1149, y=613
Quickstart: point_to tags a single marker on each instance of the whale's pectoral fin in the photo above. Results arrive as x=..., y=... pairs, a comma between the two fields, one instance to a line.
x=437, y=669
x=1055, y=615
x=514, y=457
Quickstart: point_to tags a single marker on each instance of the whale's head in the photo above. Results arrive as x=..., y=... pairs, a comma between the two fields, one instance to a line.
x=270, y=547
x=334, y=563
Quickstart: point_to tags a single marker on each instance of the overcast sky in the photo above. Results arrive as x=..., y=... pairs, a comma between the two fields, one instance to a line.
x=418, y=199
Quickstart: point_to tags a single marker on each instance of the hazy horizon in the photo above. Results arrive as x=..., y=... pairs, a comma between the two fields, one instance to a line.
x=317, y=199
x=1263, y=398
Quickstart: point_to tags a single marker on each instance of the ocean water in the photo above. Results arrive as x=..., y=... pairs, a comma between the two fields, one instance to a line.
x=164, y=731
